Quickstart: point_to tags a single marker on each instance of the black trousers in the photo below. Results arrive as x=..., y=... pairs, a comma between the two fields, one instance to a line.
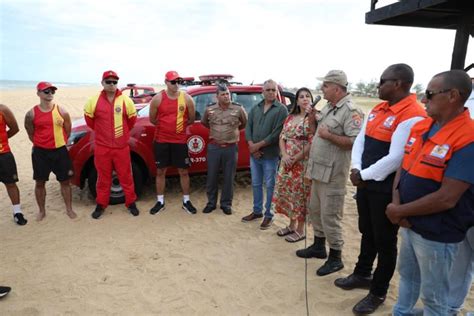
x=379, y=239
x=224, y=158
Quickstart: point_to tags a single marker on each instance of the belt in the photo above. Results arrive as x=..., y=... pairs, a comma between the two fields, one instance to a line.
x=222, y=145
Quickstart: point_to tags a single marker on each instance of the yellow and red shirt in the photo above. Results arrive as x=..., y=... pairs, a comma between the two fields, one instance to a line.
x=4, y=147
x=172, y=117
x=49, y=132
x=111, y=122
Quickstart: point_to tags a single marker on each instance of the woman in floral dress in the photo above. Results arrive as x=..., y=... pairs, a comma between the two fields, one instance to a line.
x=291, y=194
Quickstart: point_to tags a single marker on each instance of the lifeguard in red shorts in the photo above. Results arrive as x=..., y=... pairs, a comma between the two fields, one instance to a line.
x=112, y=115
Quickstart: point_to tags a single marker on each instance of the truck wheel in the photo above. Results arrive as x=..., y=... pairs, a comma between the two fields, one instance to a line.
x=117, y=195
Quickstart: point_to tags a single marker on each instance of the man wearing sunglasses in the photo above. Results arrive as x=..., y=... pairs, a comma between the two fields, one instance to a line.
x=8, y=171
x=112, y=115
x=171, y=111
x=48, y=127
x=376, y=156
x=338, y=124
x=433, y=195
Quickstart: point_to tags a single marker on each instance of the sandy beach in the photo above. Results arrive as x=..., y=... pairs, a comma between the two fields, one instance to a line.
x=168, y=264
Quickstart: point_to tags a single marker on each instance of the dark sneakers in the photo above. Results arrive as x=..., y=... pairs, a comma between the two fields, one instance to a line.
x=4, y=290
x=251, y=217
x=20, y=219
x=97, y=212
x=353, y=281
x=158, y=207
x=368, y=304
x=208, y=209
x=189, y=207
x=227, y=210
x=132, y=208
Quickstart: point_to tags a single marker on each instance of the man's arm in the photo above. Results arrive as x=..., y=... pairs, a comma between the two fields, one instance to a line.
x=344, y=142
x=10, y=120
x=30, y=129
x=67, y=121
x=242, y=118
x=205, y=118
x=191, y=109
x=441, y=200
x=154, y=104
x=389, y=163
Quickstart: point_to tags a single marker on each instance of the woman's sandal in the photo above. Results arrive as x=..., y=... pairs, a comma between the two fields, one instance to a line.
x=295, y=237
x=285, y=231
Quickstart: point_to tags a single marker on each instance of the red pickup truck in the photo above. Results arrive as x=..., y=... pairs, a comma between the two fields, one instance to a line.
x=81, y=141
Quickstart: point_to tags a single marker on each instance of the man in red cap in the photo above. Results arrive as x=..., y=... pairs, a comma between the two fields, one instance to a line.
x=8, y=173
x=172, y=111
x=112, y=115
x=48, y=127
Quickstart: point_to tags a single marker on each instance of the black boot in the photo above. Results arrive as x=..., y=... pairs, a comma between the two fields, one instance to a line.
x=316, y=250
x=333, y=264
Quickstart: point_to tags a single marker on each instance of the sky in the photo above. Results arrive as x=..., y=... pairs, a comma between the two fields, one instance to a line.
x=290, y=41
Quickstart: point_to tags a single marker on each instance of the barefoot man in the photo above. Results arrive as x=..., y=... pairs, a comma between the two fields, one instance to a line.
x=48, y=127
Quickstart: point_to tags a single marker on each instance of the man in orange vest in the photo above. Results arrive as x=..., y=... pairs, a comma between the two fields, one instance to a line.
x=433, y=195
x=48, y=127
x=172, y=110
x=376, y=155
x=112, y=115
x=8, y=172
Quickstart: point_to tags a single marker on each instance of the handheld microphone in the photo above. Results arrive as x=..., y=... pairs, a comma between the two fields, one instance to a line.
x=316, y=100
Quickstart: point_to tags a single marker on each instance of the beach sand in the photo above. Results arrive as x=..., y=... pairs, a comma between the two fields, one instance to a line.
x=170, y=264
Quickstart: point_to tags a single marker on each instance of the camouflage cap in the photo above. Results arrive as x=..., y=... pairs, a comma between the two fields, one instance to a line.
x=335, y=76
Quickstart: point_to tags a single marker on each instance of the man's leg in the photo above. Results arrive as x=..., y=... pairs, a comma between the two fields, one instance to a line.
x=123, y=166
x=385, y=241
x=213, y=164
x=435, y=260
x=229, y=164
x=184, y=180
x=460, y=279
x=269, y=173
x=314, y=208
x=40, y=194
x=13, y=193
x=256, y=171
x=409, y=270
x=103, y=164
x=160, y=181
x=66, y=192
x=367, y=252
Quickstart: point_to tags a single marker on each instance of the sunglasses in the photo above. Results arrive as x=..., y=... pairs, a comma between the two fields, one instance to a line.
x=382, y=81
x=114, y=82
x=430, y=94
x=49, y=91
x=174, y=81
x=270, y=90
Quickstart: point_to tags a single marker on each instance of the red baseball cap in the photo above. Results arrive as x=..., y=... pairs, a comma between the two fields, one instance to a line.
x=43, y=85
x=110, y=73
x=172, y=75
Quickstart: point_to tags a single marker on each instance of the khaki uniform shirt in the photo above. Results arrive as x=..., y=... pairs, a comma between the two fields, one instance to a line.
x=224, y=124
x=328, y=162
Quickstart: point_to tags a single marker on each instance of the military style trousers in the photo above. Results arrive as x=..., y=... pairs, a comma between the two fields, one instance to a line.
x=226, y=158
x=326, y=207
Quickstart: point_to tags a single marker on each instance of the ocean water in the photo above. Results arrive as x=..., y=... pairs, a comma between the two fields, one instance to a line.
x=25, y=84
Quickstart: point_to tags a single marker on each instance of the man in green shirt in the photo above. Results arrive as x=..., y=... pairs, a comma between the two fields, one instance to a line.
x=265, y=122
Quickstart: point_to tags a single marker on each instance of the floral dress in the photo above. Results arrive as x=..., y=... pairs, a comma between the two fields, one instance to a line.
x=291, y=194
